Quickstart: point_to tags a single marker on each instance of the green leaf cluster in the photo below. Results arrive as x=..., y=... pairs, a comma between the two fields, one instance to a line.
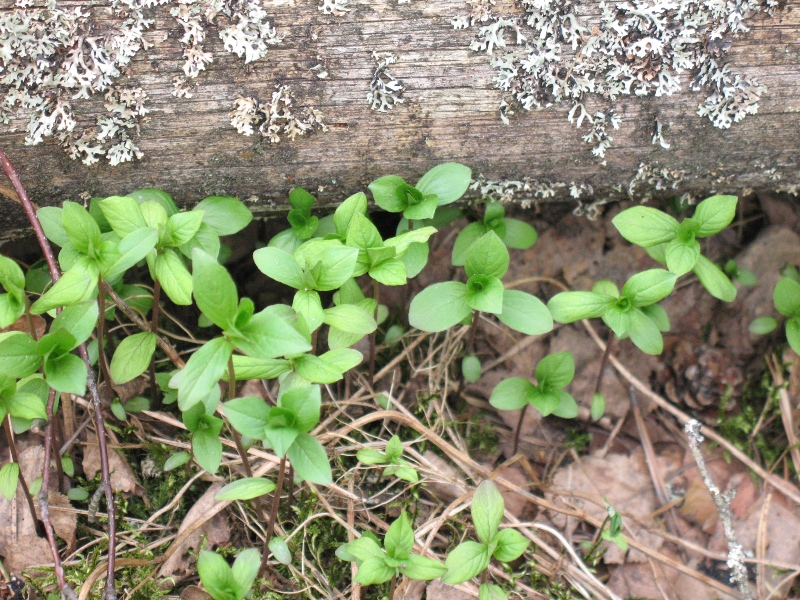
x=513, y=232
x=224, y=582
x=14, y=300
x=285, y=428
x=633, y=312
x=442, y=305
x=786, y=297
x=378, y=565
x=470, y=558
x=553, y=374
x=675, y=244
x=442, y=185
x=392, y=458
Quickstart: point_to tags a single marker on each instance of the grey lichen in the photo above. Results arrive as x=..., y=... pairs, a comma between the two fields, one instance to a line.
x=274, y=118
x=525, y=191
x=384, y=90
x=561, y=55
x=336, y=8
x=53, y=54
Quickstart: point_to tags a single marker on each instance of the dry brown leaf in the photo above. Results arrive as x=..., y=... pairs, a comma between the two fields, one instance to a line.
x=215, y=529
x=194, y=592
x=122, y=477
x=441, y=591
x=21, y=324
x=20, y=546
x=411, y=590
x=519, y=506
x=622, y=480
x=62, y=514
x=442, y=480
x=130, y=389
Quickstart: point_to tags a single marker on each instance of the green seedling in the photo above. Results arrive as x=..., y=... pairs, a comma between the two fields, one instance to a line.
x=470, y=558
x=224, y=582
x=21, y=355
x=14, y=301
x=613, y=530
x=285, y=428
x=303, y=223
x=513, y=232
x=740, y=274
x=553, y=374
x=471, y=368
x=379, y=565
x=443, y=184
x=675, y=244
x=442, y=305
x=392, y=458
x=266, y=334
x=318, y=266
x=633, y=312
x=786, y=298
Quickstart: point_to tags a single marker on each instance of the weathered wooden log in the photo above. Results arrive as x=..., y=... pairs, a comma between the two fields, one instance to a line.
x=450, y=109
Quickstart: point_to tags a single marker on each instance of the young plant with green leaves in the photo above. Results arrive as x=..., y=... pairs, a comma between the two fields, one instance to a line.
x=553, y=373
x=392, y=458
x=14, y=301
x=21, y=355
x=786, y=297
x=379, y=565
x=675, y=244
x=443, y=184
x=442, y=305
x=223, y=582
x=177, y=234
x=469, y=559
x=513, y=232
x=319, y=266
x=285, y=428
x=632, y=312
x=612, y=531
x=303, y=223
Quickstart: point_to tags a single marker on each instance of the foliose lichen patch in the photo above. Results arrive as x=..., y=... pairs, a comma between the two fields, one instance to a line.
x=384, y=90
x=274, y=118
x=562, y=53
x=54, y=53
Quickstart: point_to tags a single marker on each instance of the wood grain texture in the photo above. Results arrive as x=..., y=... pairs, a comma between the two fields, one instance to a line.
x=450, y=112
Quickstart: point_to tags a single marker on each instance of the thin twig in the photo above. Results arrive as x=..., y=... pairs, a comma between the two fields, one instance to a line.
x=168, y=348
x=155, y=402
x=44, y=504
x=723, y=503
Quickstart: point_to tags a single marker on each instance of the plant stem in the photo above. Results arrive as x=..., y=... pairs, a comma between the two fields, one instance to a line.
x=12, y=446
x=110, y=592
x=604, y=361
x=168, y=349
x=393, y=587
x=155, y=399
x=273, y=515
x=376, y=294
x=101, y=353
x=519, y=429
x=44, y=504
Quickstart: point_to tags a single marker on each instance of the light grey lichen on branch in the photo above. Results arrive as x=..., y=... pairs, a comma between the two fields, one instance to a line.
x=52, y=55
x=273, y=118
x=635, y=48
x=384, y=90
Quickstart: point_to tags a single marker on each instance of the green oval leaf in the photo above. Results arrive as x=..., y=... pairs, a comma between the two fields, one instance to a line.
x=132, y=356
x=245, y=489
